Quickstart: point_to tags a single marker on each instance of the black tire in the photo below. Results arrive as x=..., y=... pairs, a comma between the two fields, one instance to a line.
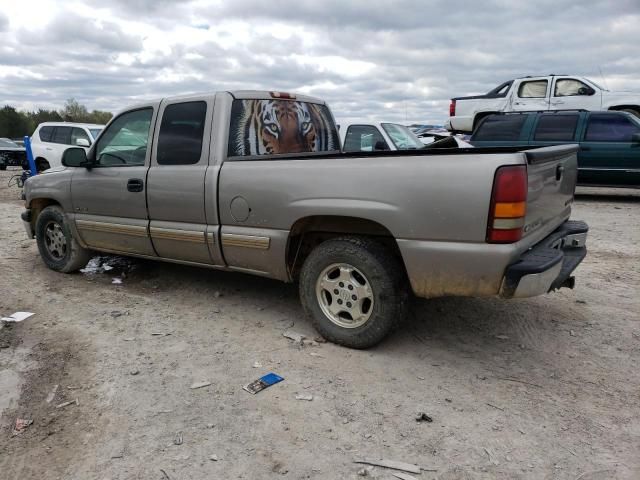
x=65, y=255
x=380, y=269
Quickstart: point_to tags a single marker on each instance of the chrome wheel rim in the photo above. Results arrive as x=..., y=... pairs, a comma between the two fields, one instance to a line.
x=345, y=295
x=55, y=241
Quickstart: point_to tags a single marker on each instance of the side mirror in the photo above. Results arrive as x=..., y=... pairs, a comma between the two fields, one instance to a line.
x=380, y=145
x=82, y=142
x=635, y=138
x=74, y=157
x=586, y=91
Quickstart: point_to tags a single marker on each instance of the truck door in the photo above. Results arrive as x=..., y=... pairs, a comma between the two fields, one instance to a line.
x=608, y=153
x=573, y=94
x=109, y=203
x=176, y=182
x=531, y=95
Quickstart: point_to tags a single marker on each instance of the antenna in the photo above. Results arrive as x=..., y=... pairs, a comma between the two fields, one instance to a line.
x=603, y=79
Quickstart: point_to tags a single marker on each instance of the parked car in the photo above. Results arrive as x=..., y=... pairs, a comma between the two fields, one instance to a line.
x=11, y=154
x=609, y=153
x=258, y=184
x=377, y=136
x=551, y=92
x=51, y=139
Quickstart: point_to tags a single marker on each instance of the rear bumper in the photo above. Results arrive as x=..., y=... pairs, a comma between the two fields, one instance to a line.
x=549, y=264
x=459, y=124
x=26, y=221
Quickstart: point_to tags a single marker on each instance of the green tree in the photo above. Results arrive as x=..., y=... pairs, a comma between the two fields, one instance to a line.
x=74, y=111
x=13, y=123
x=101, y=117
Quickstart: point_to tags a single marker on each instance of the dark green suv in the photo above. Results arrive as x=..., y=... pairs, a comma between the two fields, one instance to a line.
x=609, y=141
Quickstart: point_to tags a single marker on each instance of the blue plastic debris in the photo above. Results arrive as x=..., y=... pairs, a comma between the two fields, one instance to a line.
x=262, y=383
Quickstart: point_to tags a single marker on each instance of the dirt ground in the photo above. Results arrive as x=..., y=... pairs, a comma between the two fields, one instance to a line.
x=542, y=388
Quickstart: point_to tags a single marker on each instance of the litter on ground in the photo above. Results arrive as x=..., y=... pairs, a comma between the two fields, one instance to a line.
x=262, y=383
x=17, y=317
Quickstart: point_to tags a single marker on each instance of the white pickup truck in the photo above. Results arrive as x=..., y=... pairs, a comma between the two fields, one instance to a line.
x=552, y=92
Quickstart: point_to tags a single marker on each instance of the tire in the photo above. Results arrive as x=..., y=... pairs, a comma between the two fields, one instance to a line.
x=384, y=303
x=631, y=111
x=58, y=249
x=3, y=167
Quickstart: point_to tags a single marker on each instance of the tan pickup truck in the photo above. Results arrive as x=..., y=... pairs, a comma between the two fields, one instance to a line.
x=255, y=182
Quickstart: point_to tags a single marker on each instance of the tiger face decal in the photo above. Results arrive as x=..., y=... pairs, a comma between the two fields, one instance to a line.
x=268, y=127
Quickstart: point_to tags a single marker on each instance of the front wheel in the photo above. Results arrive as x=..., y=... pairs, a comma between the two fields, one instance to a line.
x=58, y=249
x=354, y=290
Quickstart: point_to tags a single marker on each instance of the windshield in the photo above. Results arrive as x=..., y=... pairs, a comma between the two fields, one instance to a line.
x=95, y=132
x=402, y=137
x=8, y=143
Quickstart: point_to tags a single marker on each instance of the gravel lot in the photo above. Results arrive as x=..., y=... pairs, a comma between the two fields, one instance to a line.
x=538, y=388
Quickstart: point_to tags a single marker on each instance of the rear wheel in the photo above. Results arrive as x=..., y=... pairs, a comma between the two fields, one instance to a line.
x=42, y=164
x=354, y=290
x=58, y=249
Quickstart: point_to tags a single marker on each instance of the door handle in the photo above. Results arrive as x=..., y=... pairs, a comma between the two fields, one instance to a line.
x=559, y=172
x=135, y=185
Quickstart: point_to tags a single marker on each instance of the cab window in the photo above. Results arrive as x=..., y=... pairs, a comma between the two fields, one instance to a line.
x=181, y=132
x=569, y=87
x=364, y=138
x=124, y=142
x=610, y=128
x=533, y=89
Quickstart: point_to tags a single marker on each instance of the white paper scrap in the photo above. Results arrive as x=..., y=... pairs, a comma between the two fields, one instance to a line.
x=17, y=317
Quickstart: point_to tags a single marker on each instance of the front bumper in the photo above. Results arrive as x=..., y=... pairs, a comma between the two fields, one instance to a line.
x=549, y=264
x=26, y=221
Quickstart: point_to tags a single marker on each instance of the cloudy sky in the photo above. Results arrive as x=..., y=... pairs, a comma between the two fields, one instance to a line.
x=391, y=60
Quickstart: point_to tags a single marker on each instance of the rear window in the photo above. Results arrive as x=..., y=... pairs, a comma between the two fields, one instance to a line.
x=500, y=128
x=45, y=134
x=556, y=128
x=271, y=127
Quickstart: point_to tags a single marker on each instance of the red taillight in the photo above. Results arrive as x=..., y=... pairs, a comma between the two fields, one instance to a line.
x=508, y=205
x=452, y=108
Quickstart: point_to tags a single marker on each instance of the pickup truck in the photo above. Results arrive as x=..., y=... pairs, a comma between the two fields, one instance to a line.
x=552, y=92
x=609, y=142
x=376, y=136
x=255, y=182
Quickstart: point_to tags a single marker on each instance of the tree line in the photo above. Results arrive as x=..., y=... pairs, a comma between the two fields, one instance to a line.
x=16, y=123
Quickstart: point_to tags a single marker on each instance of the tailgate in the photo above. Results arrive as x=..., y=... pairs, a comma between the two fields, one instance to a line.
x=552, y=179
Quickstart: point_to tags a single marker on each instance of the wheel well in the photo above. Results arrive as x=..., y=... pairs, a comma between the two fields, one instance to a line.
x=37, y=205
x=479, y=116
x=309, y=232
x=626, y=107
x=41, y=160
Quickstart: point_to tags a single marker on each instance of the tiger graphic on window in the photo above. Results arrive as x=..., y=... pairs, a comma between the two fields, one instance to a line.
x=271, y=127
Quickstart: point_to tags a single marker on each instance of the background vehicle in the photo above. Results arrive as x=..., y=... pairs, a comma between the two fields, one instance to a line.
x=51, y=139
x=552, y=92
x=11, y=154
x=377, y=136
x=258, y=184
x=609, y=142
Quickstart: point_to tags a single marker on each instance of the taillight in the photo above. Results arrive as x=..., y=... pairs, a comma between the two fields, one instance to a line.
x=508, y=205
x=452, y=108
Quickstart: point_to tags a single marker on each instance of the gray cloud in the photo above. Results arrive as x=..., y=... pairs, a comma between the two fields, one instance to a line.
x=419, y=57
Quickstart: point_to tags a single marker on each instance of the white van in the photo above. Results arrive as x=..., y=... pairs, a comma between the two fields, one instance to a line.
x=51, y=139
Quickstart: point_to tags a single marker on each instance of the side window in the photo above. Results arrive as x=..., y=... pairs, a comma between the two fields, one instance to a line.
x=533, y=89
x=364, y=138
x=61, y=135
x=556, y=128
x=610, y=128
x=124, y=142
x=78, y=133
x=568, y=87
x=45, y=134
x=271, y=127
x=500, y=128
x=181, y=131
